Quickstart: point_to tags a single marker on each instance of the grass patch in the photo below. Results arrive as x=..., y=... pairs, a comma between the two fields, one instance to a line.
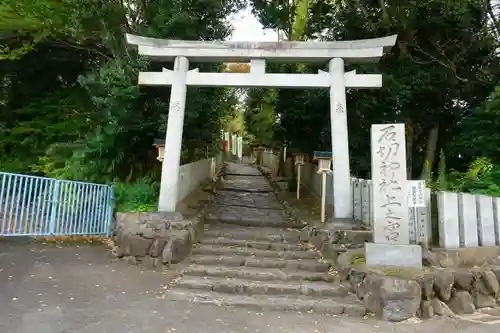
x=73, y=240
x=139, y=196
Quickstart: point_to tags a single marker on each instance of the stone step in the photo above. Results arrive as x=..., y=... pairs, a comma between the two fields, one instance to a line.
x=238, y=188
x=252, y=233
x=341, y=305
x=354, y=236
x=249, y=200
x=248, y=221
x=233, y=260
x=248, y=216
x=272, y=287
x=260, y=245
x=260, y=274
x=271, y=206
x=236, y=250
x=237, y=178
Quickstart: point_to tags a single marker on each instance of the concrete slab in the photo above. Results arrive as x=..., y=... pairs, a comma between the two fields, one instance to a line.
x=377, y=254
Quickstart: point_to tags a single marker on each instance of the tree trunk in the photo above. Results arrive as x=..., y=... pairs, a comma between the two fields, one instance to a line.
x=409, y=149
x=385, y=15
x=130, y=174
x=281, y=163
x=430, y=153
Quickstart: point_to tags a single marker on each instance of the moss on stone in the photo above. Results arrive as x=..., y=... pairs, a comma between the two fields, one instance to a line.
x=401, y=272
x=358, y=259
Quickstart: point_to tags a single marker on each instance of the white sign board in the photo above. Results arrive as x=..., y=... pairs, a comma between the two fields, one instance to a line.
x=233, y=144
x=240, y=147
x=416, y=193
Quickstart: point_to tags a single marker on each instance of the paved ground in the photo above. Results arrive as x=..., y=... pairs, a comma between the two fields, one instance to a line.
x=45, y=289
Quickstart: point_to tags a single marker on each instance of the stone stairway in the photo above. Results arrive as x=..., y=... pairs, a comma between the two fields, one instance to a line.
x=252, y=256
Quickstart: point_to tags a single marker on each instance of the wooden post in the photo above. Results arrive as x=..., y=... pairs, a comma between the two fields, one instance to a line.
x=299, y=166
x=323, y=196
x=324, y=159
x=299, y=161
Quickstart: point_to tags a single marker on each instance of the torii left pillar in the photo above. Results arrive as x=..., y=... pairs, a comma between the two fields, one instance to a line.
x=169, y=187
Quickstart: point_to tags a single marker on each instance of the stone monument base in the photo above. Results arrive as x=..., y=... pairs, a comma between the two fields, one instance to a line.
x=379, y=254
x=335, y=223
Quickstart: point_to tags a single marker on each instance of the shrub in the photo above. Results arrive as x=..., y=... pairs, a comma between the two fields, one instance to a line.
x=482, y=177
x=140, y=196
x=292, y=184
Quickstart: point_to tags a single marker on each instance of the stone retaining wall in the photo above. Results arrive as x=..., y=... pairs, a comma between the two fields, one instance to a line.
x=452, y=282
x=193, y=174
x=156, y=239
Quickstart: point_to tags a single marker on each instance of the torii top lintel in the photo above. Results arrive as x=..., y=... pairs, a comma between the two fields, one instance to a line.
x=356, y=51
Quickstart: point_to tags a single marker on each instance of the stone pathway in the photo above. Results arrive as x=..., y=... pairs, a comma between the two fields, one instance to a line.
x=252, y=256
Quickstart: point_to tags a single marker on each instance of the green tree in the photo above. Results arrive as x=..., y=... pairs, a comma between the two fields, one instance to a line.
x=64, y=57
x=260, y=117
x=443, y=65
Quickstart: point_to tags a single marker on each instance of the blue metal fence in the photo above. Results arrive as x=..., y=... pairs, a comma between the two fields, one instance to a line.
x=38, y=206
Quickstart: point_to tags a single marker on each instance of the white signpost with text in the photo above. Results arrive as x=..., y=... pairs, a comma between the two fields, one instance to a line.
x=416, y=193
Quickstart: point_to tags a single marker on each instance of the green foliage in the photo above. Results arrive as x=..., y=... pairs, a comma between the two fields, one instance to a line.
x=70, y=105
x=482, y=177
x=63, y=115
x=260, y=115
x=116, y=145
x=26, y=23
x=443, y=65
x=139, y=196
x=479, y=131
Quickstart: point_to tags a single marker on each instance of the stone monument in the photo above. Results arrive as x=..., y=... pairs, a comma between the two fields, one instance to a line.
x=391, y=236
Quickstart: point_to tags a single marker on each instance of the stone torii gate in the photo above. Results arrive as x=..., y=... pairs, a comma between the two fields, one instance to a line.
x=257, y=53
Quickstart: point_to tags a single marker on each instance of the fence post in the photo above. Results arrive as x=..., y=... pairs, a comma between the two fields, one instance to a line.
x=54, y=205
x=111, y=207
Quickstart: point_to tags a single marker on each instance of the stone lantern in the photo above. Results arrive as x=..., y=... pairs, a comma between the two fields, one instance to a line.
x=324, y=159
x=160, y=146
x=258, y=152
